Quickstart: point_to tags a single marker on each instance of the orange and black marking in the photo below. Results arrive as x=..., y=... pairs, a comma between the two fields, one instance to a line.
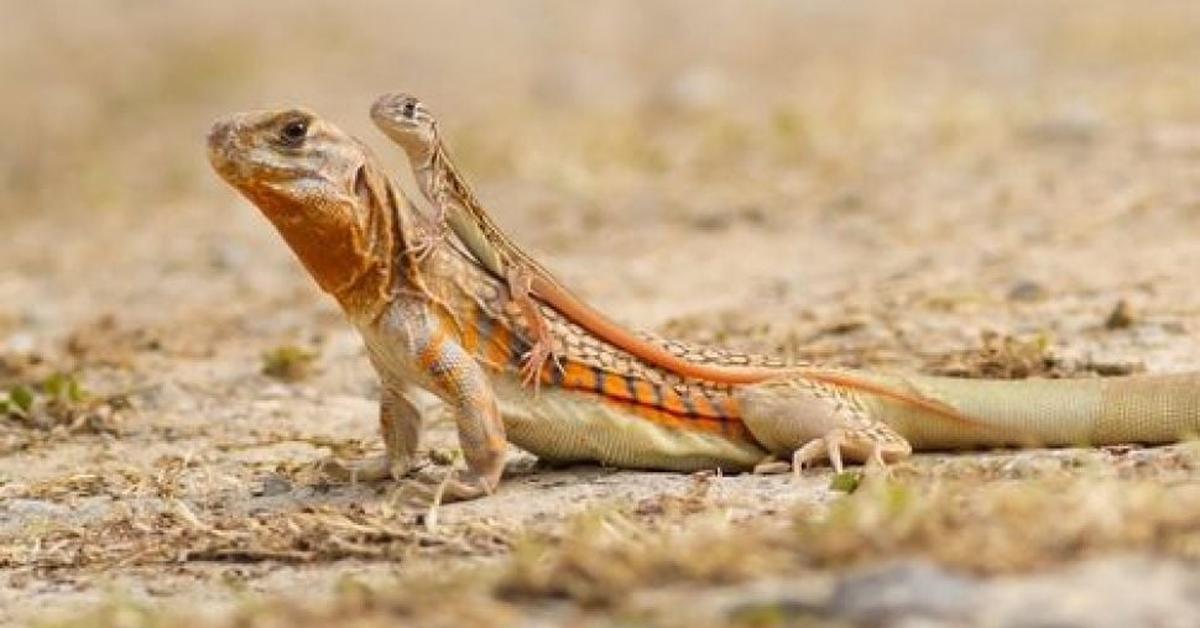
x=677, y=406
x=494, y=344
x=500, y=347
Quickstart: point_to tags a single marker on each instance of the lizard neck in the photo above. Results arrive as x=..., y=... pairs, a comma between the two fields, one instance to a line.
x=392, y=228
x=359, y=253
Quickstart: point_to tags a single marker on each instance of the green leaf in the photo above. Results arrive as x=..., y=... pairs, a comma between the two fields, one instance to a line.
x=22, y=397
x=75, y=391
x=64, y=388
x=55, y=385
x=846, y=482
x=288, y=362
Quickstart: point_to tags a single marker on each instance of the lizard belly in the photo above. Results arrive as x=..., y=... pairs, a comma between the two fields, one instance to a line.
x=563, y=425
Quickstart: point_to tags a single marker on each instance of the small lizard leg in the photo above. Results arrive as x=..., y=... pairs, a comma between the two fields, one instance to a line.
x=461, y=382
x=438, y=228
x=814, y=421
x=827, y=447
x=400, y=424
x=519, y=284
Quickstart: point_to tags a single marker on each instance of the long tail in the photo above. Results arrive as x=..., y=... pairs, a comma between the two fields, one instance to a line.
x=1102, y=411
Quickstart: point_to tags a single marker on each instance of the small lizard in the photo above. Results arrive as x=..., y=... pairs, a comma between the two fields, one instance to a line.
x=438, y=320
x=410, y=124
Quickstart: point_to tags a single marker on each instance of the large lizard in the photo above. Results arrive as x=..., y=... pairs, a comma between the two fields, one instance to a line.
x=437, y=319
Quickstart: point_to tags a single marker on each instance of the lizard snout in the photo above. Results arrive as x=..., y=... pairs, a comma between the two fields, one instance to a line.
x=221, y=134
x=225, y=143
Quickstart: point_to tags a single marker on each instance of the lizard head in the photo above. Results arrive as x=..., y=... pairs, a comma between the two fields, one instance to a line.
x=407, y=121
x=322, y=190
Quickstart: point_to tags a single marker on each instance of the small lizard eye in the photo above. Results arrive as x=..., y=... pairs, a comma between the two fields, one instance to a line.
x=294, y=132
x=410, y=108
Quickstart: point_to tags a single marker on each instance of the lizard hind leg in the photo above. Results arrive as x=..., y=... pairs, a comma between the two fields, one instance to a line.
x=814, y=421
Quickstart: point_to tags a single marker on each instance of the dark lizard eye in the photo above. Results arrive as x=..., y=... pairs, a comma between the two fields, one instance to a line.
x=410, y=108
x=294, y=132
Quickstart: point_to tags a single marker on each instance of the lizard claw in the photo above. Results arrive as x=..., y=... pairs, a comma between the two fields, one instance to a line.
x=373, y=469
x=535, y=361
x=426, y=243
x=433, y=487
x=828, y=447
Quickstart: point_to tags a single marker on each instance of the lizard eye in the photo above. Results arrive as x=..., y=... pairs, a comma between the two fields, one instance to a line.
x=410, y=108
x=294, y=132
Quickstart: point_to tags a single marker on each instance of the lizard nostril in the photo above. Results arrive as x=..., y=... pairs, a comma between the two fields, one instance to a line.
x=218, y=136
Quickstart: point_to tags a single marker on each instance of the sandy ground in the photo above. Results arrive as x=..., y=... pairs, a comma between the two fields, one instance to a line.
x=969, y=188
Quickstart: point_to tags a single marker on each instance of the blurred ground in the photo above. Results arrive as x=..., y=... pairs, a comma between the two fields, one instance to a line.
x=957, y=187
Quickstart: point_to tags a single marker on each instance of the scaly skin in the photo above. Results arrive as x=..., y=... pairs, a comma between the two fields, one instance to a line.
x=436, y=318
x=407, y=121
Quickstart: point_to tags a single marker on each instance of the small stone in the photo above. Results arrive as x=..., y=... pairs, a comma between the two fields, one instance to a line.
x=1026, y=290
x=1121, y=317
x=1075, y=125
x=273, y=485
x=903, y=590
x=1175, y=328
x=21, y=342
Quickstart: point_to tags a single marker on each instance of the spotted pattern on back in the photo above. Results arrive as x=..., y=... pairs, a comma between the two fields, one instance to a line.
x=493, y=329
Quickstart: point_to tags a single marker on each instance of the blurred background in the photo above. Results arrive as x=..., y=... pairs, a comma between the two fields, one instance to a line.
x=708, y=157
x=107, y=102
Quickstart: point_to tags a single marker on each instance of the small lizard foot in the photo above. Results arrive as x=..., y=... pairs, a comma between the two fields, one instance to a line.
x=827, y=447
x=873, y=447
x=426, y=243
x=372, y=469
x=876, y=466
x=771, y=466
x=453, y=486
x=535, y=360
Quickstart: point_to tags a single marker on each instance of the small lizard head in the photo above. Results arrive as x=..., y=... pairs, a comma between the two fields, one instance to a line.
x=319, y=186
x=407, y=121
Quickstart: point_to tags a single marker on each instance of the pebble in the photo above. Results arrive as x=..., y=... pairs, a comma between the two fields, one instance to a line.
x=880, y=595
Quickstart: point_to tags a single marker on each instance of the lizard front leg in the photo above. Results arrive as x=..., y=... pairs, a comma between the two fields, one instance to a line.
x=811, y=421
x=438, y=227
x=461, y=382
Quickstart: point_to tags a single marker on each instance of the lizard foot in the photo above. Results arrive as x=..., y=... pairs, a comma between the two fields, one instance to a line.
x=426, y=243
x=816, y=421
x=866, y=445
x=828, y=447
x=771, y=466
x=535, y=360
x=446, y=486
x=372, y=469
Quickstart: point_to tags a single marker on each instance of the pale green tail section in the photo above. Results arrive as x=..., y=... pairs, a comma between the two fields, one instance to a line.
x=1100, y=411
